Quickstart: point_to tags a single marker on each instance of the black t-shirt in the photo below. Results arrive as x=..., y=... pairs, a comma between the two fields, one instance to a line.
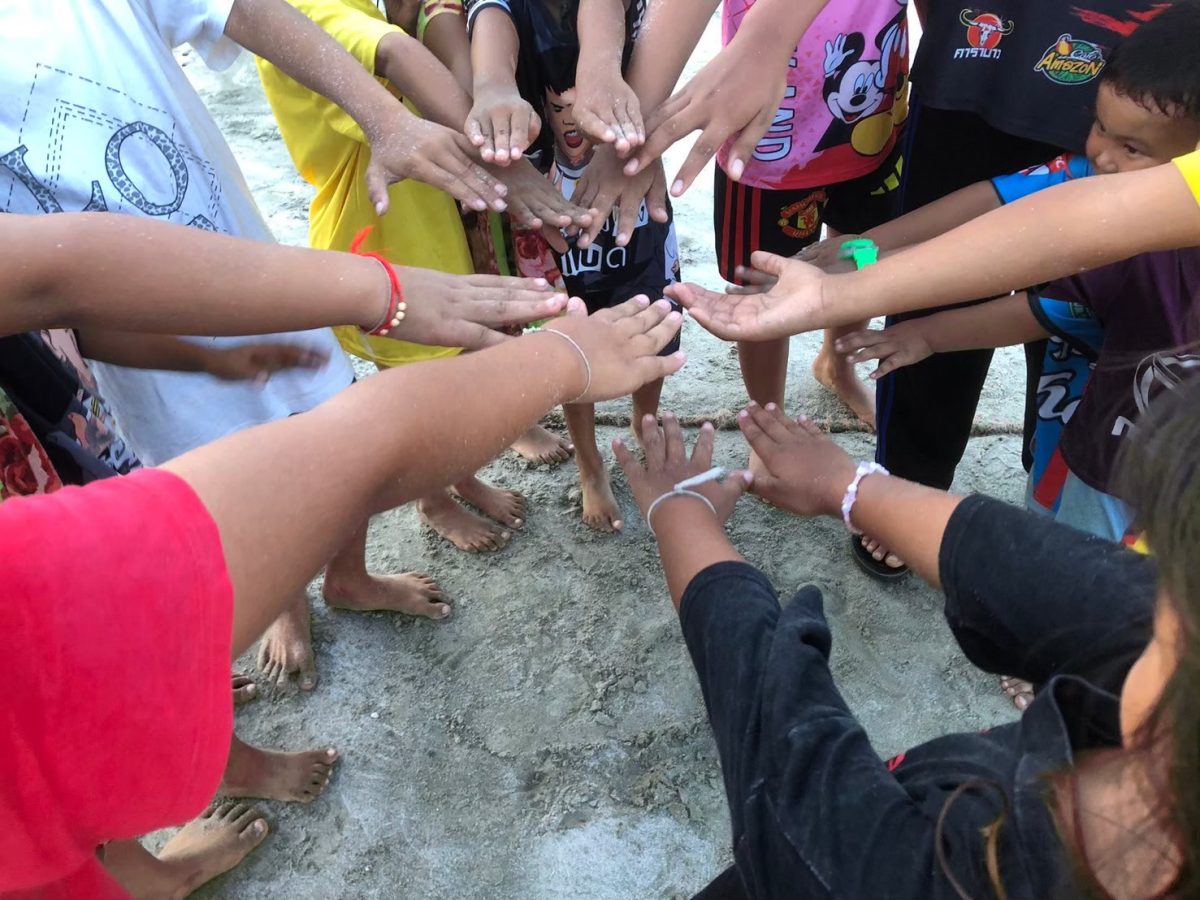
x=1028, y=67
x=816, y=813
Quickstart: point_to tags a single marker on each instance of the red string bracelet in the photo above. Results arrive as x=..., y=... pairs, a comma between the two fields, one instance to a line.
x=396, y=307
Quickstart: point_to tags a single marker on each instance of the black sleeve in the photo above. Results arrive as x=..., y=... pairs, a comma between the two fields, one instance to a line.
x=815, y=811
x=1029, y=597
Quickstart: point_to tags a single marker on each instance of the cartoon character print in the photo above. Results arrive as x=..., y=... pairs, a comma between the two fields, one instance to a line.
x=867, y=98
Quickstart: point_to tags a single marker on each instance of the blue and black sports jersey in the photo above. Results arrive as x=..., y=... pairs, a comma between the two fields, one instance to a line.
x=1062, y=169
x=1075, y=339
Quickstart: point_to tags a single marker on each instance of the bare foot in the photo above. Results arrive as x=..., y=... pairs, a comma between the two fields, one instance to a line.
x=244, y=689
x=1020, y=692
x=839, y=377
x=505, y=507
x=461, y=527
x=286, y=648
x=882, y=554
x=542, y=447
x=204, y=848
x=600, y=509
x=274, y=775
x=410, y=593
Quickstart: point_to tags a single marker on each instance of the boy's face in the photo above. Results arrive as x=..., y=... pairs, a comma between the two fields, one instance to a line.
x=1127, y=136
x=571, y=143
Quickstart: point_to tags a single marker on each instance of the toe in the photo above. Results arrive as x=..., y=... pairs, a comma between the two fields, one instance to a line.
x=253, y=833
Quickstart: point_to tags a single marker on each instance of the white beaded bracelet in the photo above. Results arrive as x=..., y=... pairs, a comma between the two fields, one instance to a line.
x=675, y=492
x=864, y=469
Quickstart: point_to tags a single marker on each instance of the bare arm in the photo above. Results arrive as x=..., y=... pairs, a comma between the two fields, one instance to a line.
x=415, y=70
x=79, y=270
x=936, y=218
x=405, y=425
x=502, y=124
x=997, y=323
x=606, y=107
x=446, y=38
x=160, y=351
x=294, y=44
x=1056, y=232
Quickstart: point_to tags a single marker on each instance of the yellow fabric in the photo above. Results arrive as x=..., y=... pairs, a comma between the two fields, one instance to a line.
x=1190, y=167
x=422, y=227
x=431, y=9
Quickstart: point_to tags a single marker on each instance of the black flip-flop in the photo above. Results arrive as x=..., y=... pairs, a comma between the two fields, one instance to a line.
x=876, y=568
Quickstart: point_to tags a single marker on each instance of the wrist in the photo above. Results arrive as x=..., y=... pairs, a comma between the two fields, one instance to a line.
x=567, y=361
x=681, y=513
x=761, y=35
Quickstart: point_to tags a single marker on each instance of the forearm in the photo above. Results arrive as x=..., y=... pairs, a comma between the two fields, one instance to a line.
x=1056, y=232
x=601, y=25
x=404, y=425
x=998, y=323
x=494, y=49
x=446, y=38
x=936, y=218
x=293, y=43
x=690, y=539
x=418, y=74
x=907, y=518
x=141, y=351
x=669, y=35
x=80, y=270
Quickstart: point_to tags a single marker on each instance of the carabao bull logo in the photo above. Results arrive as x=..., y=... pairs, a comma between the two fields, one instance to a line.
x=984, y=30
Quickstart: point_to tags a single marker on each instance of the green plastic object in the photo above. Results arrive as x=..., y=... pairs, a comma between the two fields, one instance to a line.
x=862, y=250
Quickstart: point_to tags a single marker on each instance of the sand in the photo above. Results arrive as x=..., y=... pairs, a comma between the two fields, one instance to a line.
x=549, y=740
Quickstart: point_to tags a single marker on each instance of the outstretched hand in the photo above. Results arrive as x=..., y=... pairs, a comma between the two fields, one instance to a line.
x=412, y=147
x=536, y=204
x=799, y=468
x=733, y=96
x=464, y=310
x=667, y=463
x=608, y=111
x=620, y=346
x=502, y=124
x=794, y=304
x=256, y=362
x=901, y=344
x=605, y=187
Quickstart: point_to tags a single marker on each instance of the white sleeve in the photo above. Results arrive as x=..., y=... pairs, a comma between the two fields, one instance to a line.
x=200, y=23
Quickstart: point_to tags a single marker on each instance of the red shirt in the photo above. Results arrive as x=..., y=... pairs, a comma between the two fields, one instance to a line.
x=115, y=634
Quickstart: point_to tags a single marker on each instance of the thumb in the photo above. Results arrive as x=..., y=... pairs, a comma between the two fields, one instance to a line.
x=732, y=488
x=377, y=188
x=576, y=308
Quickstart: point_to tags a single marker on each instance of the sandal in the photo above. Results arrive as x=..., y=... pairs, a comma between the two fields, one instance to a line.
x=876, y=568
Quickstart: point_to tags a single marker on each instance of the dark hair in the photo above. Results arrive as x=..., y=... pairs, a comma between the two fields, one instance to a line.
x=1156, y=64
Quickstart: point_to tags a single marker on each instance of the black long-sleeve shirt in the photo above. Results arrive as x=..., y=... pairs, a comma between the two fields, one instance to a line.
x=817, y=813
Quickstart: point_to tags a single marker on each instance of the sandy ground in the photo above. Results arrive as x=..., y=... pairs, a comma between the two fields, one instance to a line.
x=549, y=741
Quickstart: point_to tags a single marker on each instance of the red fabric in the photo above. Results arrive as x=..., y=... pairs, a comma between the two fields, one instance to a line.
x=115, y=630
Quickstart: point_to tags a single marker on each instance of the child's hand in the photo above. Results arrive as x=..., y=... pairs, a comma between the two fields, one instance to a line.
x=824, y=254
x=608, y=111
x=604, y=187
x=256, y=362
x=794, y=304
x=535, y=203
x=621, y=345
x=798, y=468
x=734, y=94
x=667, y=464
x=501, y=125
x=898, y=345
x=425, y=151
x=464, y=310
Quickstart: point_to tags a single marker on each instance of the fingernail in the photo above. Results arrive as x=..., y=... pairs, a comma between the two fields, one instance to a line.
x=771, y=407
x=677, y=188
x=500, y=206
x=751, y=403
x=643, y=300
x=379, y=209
x=803, y=418
x=707, y=426
x=742, y=414
x=541, y=282
x=748, y=477
x=736, y=169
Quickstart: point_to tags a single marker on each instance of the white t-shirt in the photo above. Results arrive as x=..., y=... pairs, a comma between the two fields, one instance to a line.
x=97, y=115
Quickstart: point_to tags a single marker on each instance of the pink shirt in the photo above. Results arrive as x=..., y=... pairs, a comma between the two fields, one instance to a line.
x=847, y=96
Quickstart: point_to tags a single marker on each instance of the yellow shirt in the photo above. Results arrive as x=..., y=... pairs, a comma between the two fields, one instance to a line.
x=1190, y=167
x=422, y=227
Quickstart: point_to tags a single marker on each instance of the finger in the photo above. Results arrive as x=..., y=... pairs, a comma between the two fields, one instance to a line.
x=760, y=442
x=669, y=123
x=377, y=188
x=805, y=424
x=674, y=448
x=664, y=332
x=653, y=445
x=878, y=350
x=487, y=131
x=656, y=368
x=643, y=314
x=518, y=137
x=501, y=131
x=702, y=151
x=631, y=121
x=626, y=460
x=742, y=149
x=594, y=126
x=731, y=489
x=656, y=197
x=856, y=340
x=751, y=275
x=769, y=263
x=887, y=366
x=772, y=421
x=474, y=132
x=483, y=185
x=703, y=451
x=554, y=237
x=627, y=217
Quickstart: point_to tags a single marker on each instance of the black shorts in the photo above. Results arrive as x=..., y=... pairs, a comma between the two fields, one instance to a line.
x=785, y=222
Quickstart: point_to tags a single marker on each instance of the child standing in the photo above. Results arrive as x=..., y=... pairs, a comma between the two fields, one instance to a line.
x=830, y=159
x=607, y=271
